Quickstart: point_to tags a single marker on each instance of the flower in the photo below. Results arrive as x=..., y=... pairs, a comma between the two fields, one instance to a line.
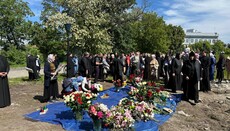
x=79, y=101
x=98, y=111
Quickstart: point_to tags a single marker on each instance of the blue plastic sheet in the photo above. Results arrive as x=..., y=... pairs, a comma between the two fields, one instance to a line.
x=59, y=113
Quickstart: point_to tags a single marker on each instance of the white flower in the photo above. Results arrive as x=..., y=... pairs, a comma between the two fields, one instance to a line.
x=66, y=98
x=88, y=102
x=103, y=107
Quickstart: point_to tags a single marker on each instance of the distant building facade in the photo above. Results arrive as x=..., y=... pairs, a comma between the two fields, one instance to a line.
x=193, y=36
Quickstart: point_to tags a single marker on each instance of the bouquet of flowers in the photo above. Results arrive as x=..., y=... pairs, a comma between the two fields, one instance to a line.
x=79, y=101
x=96, y=87
x=98, y=113
x=139, y=110
x=119, y=118
x=136, y=80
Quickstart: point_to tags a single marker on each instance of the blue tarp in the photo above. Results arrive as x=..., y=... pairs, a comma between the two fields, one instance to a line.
x=59, y=113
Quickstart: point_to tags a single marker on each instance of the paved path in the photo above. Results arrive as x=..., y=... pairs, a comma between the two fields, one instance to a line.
x=20, y=72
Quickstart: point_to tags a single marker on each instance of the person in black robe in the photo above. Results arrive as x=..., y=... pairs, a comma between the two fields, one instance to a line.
x=70, y=67
x=50, y=80
x=220, y=65
x=147, y=70
x=166, y=71
x=4, y=85
x=159, y=70
x=176, y=73
x=98, y=64
x=191, y=75
x=118, y=69
x=32, y=65
x=85, y=65
x=205, y=64
x=112, y=66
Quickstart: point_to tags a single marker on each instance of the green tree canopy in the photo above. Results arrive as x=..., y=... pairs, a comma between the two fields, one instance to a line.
x=150, y=34
x=176, y=36
x=13, y=25
x=201, y=46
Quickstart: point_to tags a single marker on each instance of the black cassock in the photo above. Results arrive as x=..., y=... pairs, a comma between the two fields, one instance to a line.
x=31, y=63
x=177, y=79
x=192, y=69
x=4, y=85
x=205, y=64
x=147, y=70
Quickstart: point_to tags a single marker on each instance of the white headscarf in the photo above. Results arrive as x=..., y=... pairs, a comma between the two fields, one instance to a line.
x=50, y=58
x=211, y=55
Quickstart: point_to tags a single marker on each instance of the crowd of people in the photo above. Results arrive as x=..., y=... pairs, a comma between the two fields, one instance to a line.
x=188, y=71
x=33, y=65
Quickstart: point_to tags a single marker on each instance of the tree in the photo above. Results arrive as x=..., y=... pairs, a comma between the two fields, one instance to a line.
x=94, y=23
x=150, y=34
x=13, y=25
x=201, y=46
x=48, y=40
x=176, y=36
x=218, y=46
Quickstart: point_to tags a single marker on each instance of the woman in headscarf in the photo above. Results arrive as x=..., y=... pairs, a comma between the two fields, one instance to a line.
x=154, y=68
x=50, y=79
x=191, y=75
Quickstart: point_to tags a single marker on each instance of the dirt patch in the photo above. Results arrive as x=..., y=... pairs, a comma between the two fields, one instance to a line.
x=210, y=115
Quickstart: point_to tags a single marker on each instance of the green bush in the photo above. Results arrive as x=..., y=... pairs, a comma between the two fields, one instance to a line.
x=17, y=57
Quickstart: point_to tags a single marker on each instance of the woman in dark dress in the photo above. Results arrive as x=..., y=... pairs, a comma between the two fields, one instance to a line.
x=50, y=79
x=4, y=85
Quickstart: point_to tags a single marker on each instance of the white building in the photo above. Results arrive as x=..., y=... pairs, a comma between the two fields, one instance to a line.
x=193, y=36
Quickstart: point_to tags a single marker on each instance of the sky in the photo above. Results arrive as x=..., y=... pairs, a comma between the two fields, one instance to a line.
x=207, y=16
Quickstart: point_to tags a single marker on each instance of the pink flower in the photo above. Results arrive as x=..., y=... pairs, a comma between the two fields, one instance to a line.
x=108, y=114
x=93, y=110
x=100, y=114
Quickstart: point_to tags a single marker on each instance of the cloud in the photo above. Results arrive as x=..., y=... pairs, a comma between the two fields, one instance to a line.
x=202, y=15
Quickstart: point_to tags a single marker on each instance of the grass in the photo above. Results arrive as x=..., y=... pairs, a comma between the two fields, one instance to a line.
x=23, y=80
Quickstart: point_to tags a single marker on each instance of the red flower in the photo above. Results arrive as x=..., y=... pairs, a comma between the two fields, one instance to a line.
x=158, y=90
x=162, y=88
x=76, y=96
x=79, y=100
x=149, y=84
x=153, y=84
x=149, y=93
x=131, y=77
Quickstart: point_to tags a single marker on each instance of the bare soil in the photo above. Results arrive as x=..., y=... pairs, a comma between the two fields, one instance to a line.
x=212, y=114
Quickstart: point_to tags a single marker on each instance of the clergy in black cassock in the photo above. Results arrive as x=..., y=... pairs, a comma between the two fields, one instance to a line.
x=205, y=64
x=176, y=73
x=4, y=85
x=147, y=70
x=191, y=74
